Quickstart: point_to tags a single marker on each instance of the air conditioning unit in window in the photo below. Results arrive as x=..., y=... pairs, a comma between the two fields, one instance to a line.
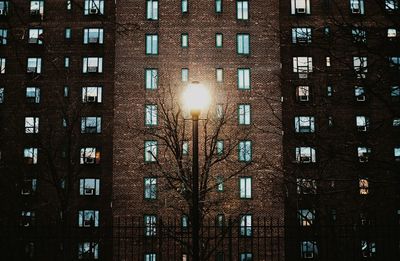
x=363, y=157
x=89, y=191
x=362, y=128
x=93, y=39
x=33, y=40
x=93, y=11
x=90, y=129
x=303, y=75
x=302, y=39
x=31, y=70
x=35, y=12
x=361, y=98
x=92, y=69
x=355, y=8
x=300, y=10
x=87, y=223
x=303, y=98
x=91, y=99
x=308, y=255
x=305, y=159
x=89, y=160
x=25, y=191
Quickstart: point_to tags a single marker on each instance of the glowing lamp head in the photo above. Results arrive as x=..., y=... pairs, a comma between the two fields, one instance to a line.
x=196, y=97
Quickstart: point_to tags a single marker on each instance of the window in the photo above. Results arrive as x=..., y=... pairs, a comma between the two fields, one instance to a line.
x=90, y=156
x=92, y=94
x=301, y=35
x=360, y=66
x=359, y=35
x=151, y=76
x=3, y=36
x=396, y=122
x=27, y=218
x=244, y=114
x=220, y=147
x=357, y=6
x=363, y=186
x=218, y=6
x=33, y=94
x=304, y=124
x=302, y=65
x=305, y=155
x=220, y=183
x=31, y=155
x=184, y=6
x=31, y=124
x=152, y=44
x=219, y=75
x=67, y=33
x=89, y=187
x=29, y=187
x=69, y=5
x=152, y=9
x=330, y=121
x=245, y=228
x=300, y=7
x=185, y=148
x=88, y=250
x=218, y=40
x=150, y=188
x=88, y=218
x=37, y=7
x=1, y=95
x=243, y=43
x=185, y=74
x=392, y=33
x=93, y=35
x=244, y=79
x=91, y=124
x=219, y=111
x=396, y=152
x=150, y=222
x=151, y=114
x=391, y=5
x=150, y=257
x=34, y=65
x=328, y=61
x=363, y=154
x=220, y=220
x=66, y=91
x=66, y=62
x=395, y=93
x=359, y=93
x=306, y=217
x=246, y=256
x=151, y=150
x=394, y=61
x=306, y=186
x=303, y=93
x=362, y=123
x=245, y=151
x=368, y=249
x=184, y=40
x=184, y=222
x=92, y=65
x=245, y=187
x=2, y=65
x=94, y=7
x=308, y=249
x=3, y=8
x=329, y=91
x=242, y=9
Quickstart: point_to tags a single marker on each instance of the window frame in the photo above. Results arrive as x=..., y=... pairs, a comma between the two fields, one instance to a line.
x=243, y=191
x=244, y=144
x=243, y=44
x=150, y=189
x=152, y=113
x=244, y=114
x=242, y=84
x=151, y=44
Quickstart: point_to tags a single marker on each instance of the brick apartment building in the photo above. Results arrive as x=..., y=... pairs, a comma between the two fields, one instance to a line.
x=309, y=91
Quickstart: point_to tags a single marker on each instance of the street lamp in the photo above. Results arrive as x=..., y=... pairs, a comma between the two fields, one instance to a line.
x=196, y=98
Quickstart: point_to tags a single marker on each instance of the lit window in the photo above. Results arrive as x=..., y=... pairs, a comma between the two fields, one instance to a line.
x=151, y=114
x=220, y=220
x=242, y=9
x=37, y=7
x=244, y=114
x=396, y=152
x=150, y=188
x=308, y=249
x=185, y=74
x=152, y=44
x=359, y=35
x=91, y=125
x=395, y=93
x=363, y=154
x=243, y=44
x=304, y=124
x=33, y=94
x=94, y=7
x=150, y=222
x=67, y=33
x=3, y=8
x=305, y=155
x=392, y=33
x=218, y=6
x=31, y=155
x=184, y=6
x=152, y=9
x=302, y=65
x=219, y=111
x=151, y=76
x=89, y=187
x=27, y=218
x=92, y=94
x=245, y=228
x=92, y=65
x=306, y=217
x=220, y=183
x=29, y=187
x=218, y=40
x=184, y=40
x=35, y=36
x=185, y=148
x=220, y=147
x=300, y=7
x=34, y=65
x=31, y=124
x=88, y=218
x=396, y=122
x=1, y=95
x=3, y=36
x=329, y=91
x=66, y=62
x=368, y=249
x=246, y=257
x=219, y=75
x=328, y=61
x=66, y=91
x=243, y=78
x=184, y=222
x=88, y=250
x=392, y=5
x=301, y=35
x=306, y=186
x=245, y=187
x=151, y=150
x=359, y=93
x=303, y=93
x=360, y=64
x=150, y=257
x=357, y=6
x=362, y=123
x=69, y=5
x=245, y=150
x=89, y=156
x=2, y=65
x=93, y=35
x=394, y=61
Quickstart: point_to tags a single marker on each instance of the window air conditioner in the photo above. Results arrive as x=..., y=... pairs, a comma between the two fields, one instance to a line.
x=94, y=11
x=303, y=98
x=89, y=191
x=355, y=8
x=92, y=69
x=35, y=12
x=31, y=69
x=93, y=39
x=300, y=10
x=87, y=223
x=25, y=191
x=91, y=98
x=33, y=40
x=303, y=75
x=361, y=98
x=363, y=157
x=362, y=128
x=90, y=129
x=308, y=255
x=305, y=159
x=89, y=160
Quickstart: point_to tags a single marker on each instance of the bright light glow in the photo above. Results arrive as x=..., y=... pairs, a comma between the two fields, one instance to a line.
x=196, y=97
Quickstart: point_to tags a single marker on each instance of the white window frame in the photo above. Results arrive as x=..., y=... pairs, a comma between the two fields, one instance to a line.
x=151, y=150
x=244, y=114
x=36, y=91
x=31, y=125
x=3, y=36
x=88, y=218
x=243, y=43
x=151, y=78
x=301, y=35
x=151, y=117
x=31, y=155
x=300, y=7
x=151, y=44
x=37, y=7
x=242, y=9
x=93, y=36
x=92, y=65
x=245, y=187
x=302, y=64
x=89, y=187
x=152, y=9
x=305, y=155
x=184, y=74
x=93, y=7
x=34, y=65
x=357, y=7
x=362, y=123
x=92, y=94
x=244, y=79
x=304, y=124
x=91, y=124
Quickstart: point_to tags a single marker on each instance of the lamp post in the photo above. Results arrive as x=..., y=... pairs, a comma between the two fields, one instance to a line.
x=195, y=98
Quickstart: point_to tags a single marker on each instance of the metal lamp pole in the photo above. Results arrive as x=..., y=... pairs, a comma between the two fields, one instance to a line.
x=195, y=187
